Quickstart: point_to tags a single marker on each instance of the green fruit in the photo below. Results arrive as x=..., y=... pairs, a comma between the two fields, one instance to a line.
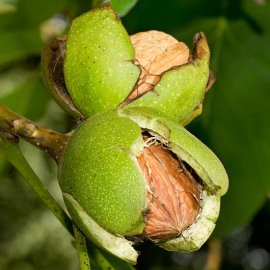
x=101, y=182
x=181, y=90
x=105, y=189
x=101, y=71
x=98, y=69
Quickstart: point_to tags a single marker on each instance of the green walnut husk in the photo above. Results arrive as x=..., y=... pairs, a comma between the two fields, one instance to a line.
x=104, y=187
x=100, y=71
x=52, y=65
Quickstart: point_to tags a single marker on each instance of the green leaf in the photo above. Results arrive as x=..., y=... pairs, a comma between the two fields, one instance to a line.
x=122, y=7
x=96, y=3
x=236, y=112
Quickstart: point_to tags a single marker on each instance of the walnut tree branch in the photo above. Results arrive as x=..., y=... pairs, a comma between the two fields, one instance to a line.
x=48, y=140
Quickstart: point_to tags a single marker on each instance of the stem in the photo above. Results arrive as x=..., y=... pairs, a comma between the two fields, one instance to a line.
x=214, y=255
x=50, y=141
x=82, y=249
x=9, y=147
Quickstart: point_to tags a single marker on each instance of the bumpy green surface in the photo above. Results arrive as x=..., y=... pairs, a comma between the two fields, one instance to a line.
x=99, y=171
x=186, y=146
x=180, y=91
x=98, y=69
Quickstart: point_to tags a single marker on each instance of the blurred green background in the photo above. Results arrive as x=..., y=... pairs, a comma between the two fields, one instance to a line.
x=235, y=124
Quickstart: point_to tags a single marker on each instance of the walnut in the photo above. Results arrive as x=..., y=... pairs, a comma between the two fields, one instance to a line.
x=155, y=53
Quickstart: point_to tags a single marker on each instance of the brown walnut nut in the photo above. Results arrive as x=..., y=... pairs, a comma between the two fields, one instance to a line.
x=173, y=194
x=155, y=53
